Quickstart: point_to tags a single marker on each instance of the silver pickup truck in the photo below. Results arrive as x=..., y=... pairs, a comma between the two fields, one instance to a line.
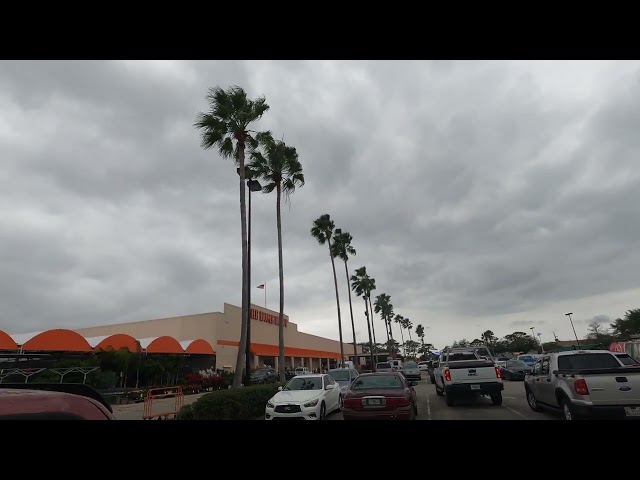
x=584, y=383
x=464, y=372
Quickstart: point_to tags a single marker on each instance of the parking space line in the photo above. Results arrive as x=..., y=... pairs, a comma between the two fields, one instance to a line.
x=516, y=412
x=428, y=408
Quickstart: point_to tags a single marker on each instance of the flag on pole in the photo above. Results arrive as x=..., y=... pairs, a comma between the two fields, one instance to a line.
x=261, y=286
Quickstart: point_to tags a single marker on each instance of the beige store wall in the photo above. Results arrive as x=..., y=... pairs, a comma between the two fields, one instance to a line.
x=188, y=327
x=267, y=333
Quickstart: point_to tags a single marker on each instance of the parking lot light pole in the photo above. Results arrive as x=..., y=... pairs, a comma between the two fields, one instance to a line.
x=254, y=186
x=574, y=328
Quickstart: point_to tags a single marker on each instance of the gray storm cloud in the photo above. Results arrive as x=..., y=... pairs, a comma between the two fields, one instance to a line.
x=473, y=190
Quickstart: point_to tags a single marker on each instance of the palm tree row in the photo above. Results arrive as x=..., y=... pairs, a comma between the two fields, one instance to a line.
x=226, y=126
x=339, y=245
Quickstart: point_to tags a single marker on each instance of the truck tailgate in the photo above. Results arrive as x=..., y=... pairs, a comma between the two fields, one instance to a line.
x=472, y=372
x=614, y=387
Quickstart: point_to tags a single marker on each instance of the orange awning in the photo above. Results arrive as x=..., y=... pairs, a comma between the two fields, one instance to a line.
x=200, y=347
x=166, y=345
x=119, y=341
x=58, y=340
x=6, y=342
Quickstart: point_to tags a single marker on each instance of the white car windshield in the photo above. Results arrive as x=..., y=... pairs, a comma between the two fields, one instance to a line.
x=304, y=383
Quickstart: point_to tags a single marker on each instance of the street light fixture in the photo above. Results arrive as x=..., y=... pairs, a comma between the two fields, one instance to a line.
x=574, y=328
x=254, y=186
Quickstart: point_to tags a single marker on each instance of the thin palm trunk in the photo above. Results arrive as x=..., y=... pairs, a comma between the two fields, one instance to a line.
x=335, y=282
x=373, y=329
x=281, y=273
x=410, y=334
x=404, y=348
x=386, y=329
x=390, y=329
x=240, y=359
x=366, y=312
x=353, y=324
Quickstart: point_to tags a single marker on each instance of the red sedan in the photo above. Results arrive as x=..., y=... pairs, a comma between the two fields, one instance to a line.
x=380, y=396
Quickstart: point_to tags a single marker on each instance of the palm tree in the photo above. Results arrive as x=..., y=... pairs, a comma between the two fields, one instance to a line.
x=409, y=326
x=385, y=309
x=372, y=287
x=399, y=319
x=278, y=165
x=227, y=121
x=322, y=231
x=420, y=334
x=362, y=284
x=342, y=248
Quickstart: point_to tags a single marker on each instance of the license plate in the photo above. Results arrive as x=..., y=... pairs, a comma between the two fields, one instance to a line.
x=632, y=411
x=374, y=402
x=475, y=387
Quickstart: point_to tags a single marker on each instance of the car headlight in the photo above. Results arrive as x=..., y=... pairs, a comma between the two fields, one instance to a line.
x=312, y=403
x=345, y=387
x=270, y=405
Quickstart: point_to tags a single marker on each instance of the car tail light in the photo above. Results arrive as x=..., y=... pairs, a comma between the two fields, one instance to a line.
x=352, y=402
x=498, y=374
x=398, y=402
x=581, y=387
x=447, y=375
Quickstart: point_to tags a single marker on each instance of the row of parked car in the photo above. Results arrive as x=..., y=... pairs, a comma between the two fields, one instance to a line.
x=386, y=394
x=577, y=383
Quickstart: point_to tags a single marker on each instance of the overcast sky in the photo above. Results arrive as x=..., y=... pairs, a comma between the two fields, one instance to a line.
x=480, y=195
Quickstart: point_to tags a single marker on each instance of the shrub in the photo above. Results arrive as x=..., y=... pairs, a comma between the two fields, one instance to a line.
x=245, y=403
x=186, y=413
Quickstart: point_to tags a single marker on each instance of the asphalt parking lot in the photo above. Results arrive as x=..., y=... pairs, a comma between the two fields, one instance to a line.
x=514, y=406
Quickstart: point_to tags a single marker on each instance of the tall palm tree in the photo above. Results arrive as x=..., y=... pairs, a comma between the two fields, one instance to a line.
x=409, y=327
x=277, y=164
x=399, y=319
x=420, y=334
x=342, y=248
x=226, y=126
x=361, y=284
x=372, y=287
x=322, y=231
x=385, y=309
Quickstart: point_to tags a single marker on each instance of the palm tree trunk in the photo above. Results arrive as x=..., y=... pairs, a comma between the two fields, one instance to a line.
x=281, y=278
x=353, y=324
x=237, y=374
x=410, y=334
x=389, y=322
x=366, y=312
x=335, y=282
x=403, y=347
x=373, y=329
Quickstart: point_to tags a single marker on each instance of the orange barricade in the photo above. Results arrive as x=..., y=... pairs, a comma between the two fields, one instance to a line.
x=159, y=394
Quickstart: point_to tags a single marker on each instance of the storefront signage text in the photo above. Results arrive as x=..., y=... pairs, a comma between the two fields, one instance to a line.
x=266, y=317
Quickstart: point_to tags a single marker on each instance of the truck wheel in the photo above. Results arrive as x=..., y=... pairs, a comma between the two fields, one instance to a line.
x=496, y=399
x=438, y=390
x=568, y=412
x=450, y=401
x=532, y=401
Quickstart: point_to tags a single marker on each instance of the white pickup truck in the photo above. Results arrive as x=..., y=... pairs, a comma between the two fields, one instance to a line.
x=584, y=383
x=462, y=372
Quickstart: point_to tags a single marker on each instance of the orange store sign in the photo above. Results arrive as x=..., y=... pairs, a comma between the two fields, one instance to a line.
x=266, y=317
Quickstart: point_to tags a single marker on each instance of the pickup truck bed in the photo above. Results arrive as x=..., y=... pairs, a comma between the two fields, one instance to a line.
x=463, y=378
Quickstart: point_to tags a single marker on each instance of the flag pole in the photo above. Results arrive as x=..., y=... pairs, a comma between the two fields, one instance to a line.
x=265, y=295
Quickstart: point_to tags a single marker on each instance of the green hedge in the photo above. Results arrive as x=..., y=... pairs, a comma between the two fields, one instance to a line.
x=244, y=403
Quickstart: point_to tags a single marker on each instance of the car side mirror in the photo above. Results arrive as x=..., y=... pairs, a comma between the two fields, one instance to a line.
x=328, y=387
x=279, y=389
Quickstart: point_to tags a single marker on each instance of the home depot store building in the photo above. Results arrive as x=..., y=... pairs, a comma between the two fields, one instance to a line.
x=222, y=331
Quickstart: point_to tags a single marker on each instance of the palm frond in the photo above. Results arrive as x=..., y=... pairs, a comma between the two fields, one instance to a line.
x=322, y=229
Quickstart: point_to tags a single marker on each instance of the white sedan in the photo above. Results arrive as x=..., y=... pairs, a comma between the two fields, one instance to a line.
x=305, y=397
